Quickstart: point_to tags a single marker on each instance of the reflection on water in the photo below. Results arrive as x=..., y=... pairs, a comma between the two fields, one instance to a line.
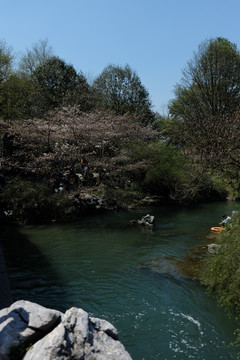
x=96, y=264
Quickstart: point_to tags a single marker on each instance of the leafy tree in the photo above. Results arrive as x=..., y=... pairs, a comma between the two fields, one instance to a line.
x=36, y=148
x=16, y=97
x=68, y=134
x=6, y=59
x=170, y=174
x=164, y=166
x=43, y=83
x=17, y=92
x=120, y=89
x=40, y=52
x=204, y=120
x=211, y=82
x=58, y=84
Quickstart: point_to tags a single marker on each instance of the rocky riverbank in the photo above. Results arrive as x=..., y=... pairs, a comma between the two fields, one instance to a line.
x=32, y=332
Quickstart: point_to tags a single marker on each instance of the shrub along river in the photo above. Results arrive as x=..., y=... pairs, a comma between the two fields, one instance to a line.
x=124, y=275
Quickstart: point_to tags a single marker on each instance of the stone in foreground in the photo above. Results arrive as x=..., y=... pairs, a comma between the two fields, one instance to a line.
x=50, y=334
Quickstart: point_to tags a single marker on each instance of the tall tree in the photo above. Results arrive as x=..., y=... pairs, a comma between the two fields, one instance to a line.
x=206, y=101
x=58, y=84
x=40, y=52
x=67, y=134
x=211, y=81
x=120, y=89
x=17, y=91
x=6, y=59
x=16, y=97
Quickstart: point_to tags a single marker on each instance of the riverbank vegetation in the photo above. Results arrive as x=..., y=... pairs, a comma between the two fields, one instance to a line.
x=222, y=266
x=220, y=270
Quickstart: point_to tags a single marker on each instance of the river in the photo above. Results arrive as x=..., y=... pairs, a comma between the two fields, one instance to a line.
x=110, y=269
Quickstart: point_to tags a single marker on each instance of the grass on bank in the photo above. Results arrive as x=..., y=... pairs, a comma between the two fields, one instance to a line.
x=221, y=271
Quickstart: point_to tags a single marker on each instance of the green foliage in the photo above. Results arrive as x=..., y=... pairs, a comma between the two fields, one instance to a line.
x=165, y=166
x=5, y=61
x=221, y=272
x=120, y=89
x=203, y=186
x=31, y=201
x=172, y=175
x=5, y=69
x=16, y=98
x=211, y=81
x=121, y=198
x=58, y=84
x=217, y=187
x=204, y=112
x=40, y=52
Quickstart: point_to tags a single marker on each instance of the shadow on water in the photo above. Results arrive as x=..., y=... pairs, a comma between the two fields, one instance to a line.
x=28, y=269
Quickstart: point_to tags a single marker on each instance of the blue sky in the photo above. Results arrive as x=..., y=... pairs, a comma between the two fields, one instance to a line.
x=155, y=37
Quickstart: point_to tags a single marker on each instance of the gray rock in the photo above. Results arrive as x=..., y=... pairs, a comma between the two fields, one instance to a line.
x=213, y=248
x=79, y=336
x=105, y=326
x=24, y=321
x=147, y=221
x=153, y=200
x=54, y=335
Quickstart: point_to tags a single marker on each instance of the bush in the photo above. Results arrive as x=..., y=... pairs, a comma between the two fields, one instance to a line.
x=221, y=272
x=121, y=198
x=31, y=201
x=202, y=186
x=169, y=173
x=165, y=167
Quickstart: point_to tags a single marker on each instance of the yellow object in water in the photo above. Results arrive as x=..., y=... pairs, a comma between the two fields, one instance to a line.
x=217, y=228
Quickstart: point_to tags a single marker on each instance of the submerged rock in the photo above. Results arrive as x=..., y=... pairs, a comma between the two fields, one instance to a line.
x=167, y=266
x=41, y=333
x=188, y=267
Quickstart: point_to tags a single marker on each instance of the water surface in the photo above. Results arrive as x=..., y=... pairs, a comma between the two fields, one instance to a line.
x=97, y=264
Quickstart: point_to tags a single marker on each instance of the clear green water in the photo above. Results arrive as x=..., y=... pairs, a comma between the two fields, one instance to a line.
x=96, y=264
